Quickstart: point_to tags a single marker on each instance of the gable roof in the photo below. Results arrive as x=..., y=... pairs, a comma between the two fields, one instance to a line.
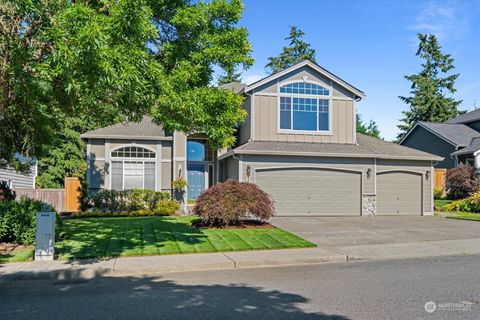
x=360, y=94
x=366, y=147
x=458, y=135
x=145, y=129
x=467, y=117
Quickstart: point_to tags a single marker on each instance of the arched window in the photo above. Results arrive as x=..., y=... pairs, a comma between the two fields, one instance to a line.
x=304, y=88
x=131, y=170
x=133, y=152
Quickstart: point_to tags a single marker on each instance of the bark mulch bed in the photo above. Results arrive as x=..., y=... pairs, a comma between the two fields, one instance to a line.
x=244, y=224
x=6, y=247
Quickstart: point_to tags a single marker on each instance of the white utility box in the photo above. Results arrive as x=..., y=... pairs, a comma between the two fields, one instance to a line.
x=45, y=236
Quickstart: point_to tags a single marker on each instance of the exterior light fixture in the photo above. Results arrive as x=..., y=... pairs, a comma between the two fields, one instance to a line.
x=427, y=174
x=249, y=170
x=369, y=172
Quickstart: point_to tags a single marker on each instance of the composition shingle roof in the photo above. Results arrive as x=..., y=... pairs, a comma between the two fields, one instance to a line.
x=144, y=129
x=467, y=117
x=473, y=147
x=236, y=87
x=458, y=134
x=366, y=147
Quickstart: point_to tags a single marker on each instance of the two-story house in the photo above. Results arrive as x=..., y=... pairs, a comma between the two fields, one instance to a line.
x=298, y=142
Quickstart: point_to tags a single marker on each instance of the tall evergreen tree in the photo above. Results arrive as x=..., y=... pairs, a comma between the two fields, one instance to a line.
x=297, y=51
x=428, y=98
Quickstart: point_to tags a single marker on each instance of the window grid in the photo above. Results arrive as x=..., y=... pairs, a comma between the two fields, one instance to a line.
x=289, y=106
x=133, y=152
x=304, y=88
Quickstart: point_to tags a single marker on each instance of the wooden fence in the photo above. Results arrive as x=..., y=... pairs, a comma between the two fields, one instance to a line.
x=54, y=197
x=439, y=182
x=63, y=200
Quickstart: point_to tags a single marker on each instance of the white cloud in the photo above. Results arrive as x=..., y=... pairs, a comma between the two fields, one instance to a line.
x=446, y=19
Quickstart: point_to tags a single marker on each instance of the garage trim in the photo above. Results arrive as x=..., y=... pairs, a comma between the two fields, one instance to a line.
x=308, y=167
x=419, y=173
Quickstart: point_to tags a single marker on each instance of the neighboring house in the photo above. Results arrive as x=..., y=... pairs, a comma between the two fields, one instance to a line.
x=456, y=140
x=298, y=142
x=18, y=180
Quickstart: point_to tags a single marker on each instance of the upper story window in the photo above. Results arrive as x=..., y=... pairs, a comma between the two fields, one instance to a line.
x=133, y=152
x=306, y=113
x=304, y=88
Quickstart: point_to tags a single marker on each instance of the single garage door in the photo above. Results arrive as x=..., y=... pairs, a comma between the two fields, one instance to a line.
x=399, y=193
x=310, y=191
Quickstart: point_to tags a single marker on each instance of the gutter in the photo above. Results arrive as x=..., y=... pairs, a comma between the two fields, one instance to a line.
x=331, y=155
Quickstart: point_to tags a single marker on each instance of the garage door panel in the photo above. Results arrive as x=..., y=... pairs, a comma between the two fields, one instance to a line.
x=399, y=193
x=309, y=191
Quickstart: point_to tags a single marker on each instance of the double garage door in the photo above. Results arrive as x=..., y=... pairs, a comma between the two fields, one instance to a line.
x=329, y=192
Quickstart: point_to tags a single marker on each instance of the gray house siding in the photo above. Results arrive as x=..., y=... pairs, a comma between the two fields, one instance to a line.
x=244, y=131
x=266, y=107
x=475, y=125
x=424, y=140
x=17, y=180
x=99, y=162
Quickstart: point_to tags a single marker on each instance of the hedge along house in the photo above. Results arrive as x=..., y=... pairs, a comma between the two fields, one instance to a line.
x=298, y=142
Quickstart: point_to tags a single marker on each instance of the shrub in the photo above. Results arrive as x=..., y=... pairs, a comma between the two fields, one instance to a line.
x=139, y=199
x=167, y=207
x=229, y=202
x=6, y=194
x=130, y=200
x=18, y=219
x=438, y=194
x=469, y=204
x=461, y=182
x=164, y=207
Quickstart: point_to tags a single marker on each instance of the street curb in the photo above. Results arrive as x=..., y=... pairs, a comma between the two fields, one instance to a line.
x=69, y=272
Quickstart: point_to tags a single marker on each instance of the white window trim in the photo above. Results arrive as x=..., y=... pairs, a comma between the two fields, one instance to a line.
x=133, y=145
x=142, y=160
x=321, y=132
x=328, y=97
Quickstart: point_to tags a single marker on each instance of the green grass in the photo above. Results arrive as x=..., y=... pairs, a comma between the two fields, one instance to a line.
x=439, y=204
x=464, y=216
x=17, y=256
x=140, y=236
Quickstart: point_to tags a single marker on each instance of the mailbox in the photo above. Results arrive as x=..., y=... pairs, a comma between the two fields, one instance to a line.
x=45, y=236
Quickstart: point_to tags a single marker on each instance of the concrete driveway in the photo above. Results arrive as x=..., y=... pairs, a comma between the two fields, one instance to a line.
x=379, y=237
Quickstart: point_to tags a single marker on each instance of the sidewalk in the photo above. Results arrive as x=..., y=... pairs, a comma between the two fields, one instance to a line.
x=410, y=249
x=137, y=266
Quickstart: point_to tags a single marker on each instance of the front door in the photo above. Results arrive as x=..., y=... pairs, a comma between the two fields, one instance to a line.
x=196, y=180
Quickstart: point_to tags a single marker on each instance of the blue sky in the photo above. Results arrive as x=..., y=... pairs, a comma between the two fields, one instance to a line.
x=371, y=44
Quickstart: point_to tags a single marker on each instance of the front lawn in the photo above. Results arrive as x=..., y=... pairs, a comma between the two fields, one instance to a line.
x=464, y=216
x=138, y=236
x=17, y=256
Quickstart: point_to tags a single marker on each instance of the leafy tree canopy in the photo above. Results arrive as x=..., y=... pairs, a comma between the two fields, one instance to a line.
x=111, y=60
x=370, y=128
x=428, y=100
x=297, y=51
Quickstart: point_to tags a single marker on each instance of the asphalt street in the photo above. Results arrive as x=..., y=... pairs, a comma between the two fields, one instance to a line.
x=393, y=289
